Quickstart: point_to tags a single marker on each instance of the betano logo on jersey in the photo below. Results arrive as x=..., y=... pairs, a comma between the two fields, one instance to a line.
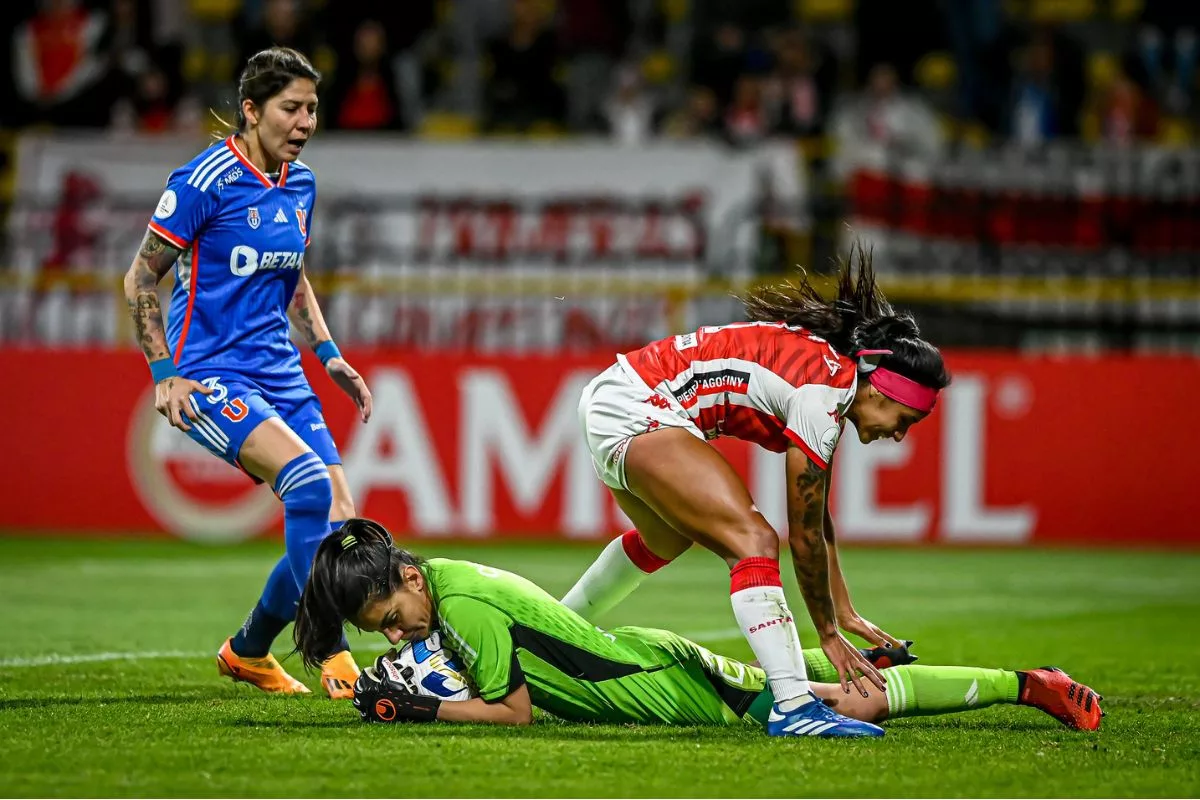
x=245, y=260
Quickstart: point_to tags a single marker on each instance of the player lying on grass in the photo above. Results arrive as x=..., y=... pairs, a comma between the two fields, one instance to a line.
x=521, y=648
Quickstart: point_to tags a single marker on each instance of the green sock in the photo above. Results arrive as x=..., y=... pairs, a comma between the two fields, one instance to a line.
x=819, y=667
x=914, y=690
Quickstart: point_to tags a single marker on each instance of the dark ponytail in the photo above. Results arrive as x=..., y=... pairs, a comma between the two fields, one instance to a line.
x=859, y=318
x=266, y=74
x=353, y=566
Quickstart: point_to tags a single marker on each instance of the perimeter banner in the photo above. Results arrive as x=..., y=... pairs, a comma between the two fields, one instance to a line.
x=1020, y=450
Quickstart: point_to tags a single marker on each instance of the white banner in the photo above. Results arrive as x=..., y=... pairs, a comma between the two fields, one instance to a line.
x=579, y=230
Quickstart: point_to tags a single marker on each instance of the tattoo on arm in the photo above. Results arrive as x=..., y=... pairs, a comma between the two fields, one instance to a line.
x=806, y=522
x=305, y=314
x=153, y=260
x=302, y=315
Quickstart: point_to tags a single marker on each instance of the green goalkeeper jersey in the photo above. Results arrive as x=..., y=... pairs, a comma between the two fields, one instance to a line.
x=508, y=632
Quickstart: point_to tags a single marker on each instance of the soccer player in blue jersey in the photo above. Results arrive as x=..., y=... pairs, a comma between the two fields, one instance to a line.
x=234, y=222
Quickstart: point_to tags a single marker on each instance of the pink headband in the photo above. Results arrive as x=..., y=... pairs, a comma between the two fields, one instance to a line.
x=894, y=385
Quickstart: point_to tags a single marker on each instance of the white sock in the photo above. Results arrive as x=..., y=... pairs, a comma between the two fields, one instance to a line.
x=766, y=621
x=612, y=577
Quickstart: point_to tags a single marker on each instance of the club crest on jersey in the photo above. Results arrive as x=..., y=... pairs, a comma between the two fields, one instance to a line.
x=252, y=218
x=302, y=218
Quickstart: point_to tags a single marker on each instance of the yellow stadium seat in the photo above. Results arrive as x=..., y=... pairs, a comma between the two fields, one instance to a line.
x=1126, y=10
x=675, y=10
x=221, y=67
x=1062, y=10
x=824, y=10
x=1089, y=126
x=195, y=65
x=8, y=173
x=214, y=10
x=937, y=71
x=325, y=59
x=546, y=129
x=814, y=148
x=441, y=125
x=1102, y=68
x=974, y=134
x=1175, y=132
x=658, y=67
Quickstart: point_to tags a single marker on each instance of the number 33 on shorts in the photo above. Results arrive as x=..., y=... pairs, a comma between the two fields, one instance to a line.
x=235, y=409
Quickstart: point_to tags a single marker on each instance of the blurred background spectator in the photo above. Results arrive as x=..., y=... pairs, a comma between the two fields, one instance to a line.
x=1028, y=71
x=521, y=89
x=966, y=137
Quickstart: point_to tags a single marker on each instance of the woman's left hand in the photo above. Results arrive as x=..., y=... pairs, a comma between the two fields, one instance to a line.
x=350, y=382
x=853, y=623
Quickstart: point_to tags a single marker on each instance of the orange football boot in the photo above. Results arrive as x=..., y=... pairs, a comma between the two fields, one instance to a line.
x=265, y=672
x=338, y=674
x=1062, y=697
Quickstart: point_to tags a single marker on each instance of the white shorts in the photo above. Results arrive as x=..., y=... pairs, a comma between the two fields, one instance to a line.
x=617, y=406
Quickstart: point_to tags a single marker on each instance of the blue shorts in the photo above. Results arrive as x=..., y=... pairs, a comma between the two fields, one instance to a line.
x=238, y=405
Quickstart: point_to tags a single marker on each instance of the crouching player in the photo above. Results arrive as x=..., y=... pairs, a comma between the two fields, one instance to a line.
x=521, y=648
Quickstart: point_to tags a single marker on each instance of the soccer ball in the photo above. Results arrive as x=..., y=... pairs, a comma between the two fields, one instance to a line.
x=433, y=670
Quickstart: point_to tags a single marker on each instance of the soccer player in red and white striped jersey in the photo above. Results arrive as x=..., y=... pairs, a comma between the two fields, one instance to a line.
x=788, y=380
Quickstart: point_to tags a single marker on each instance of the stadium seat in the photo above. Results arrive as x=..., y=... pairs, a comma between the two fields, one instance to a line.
x=1062, y=10
x=221, y=67
x=675, y=11
x=936, y=71
x=546, y=129
x=7, y=166
x=443, y=125
x=815, y=148
x=1102, y=68
x=213, y=10
x=1175, y=132
x=195, y=65
x=1126, y=10
x=658, y=67
x=325, y=60
x=824, y=10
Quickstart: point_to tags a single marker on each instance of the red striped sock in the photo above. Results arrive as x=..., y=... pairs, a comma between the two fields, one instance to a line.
x=754, y=571
x=645, y=560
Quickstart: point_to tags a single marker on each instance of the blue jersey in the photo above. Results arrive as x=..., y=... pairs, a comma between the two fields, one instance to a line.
x=243, y=236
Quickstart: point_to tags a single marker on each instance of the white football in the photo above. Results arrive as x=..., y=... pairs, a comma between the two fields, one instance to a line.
x=435, y=670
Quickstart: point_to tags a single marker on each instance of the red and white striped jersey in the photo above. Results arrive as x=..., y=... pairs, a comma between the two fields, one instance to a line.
x=762, y=382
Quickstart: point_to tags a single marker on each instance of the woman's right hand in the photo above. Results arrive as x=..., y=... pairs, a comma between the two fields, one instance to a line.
x=849, y=663
x=172, y=400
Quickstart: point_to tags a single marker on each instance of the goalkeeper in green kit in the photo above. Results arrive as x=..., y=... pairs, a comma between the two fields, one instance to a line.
x=522, y=649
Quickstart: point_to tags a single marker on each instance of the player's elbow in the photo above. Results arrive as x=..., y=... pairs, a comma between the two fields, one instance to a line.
x=518, y=708
x=138, y=279
x=130, y=283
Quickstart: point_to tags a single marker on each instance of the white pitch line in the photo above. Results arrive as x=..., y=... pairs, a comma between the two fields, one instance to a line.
x=57, y=659
x=51, y=659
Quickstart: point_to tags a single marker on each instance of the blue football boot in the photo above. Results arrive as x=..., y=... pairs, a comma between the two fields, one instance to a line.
x=817, y=719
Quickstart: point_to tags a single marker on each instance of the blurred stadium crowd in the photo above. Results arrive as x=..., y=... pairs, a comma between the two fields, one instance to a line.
x=1018, y=164
x=918, y=73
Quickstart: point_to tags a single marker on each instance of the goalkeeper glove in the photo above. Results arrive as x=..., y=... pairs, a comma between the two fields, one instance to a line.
x=385, y=693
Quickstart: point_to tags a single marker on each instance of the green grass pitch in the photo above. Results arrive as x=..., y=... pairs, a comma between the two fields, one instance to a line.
x=108, y=686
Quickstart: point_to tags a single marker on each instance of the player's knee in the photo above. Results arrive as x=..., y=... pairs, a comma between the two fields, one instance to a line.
x=304, y=486
x=313, y=497
x=756, y=540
